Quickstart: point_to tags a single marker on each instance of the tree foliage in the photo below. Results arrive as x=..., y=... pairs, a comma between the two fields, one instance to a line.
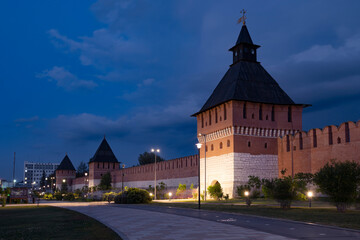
x=340, y=181
x=147, y=158
x=105, y=182
x=82, y=169
x=133, y=196
x=42, y=180
x=284, y=189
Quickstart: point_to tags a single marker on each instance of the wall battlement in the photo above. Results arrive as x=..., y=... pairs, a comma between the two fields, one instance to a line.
x=308, y=151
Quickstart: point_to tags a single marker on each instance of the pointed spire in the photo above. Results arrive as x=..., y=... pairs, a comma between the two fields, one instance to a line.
x=66, y=164
x=104, y=153
x=244, y=36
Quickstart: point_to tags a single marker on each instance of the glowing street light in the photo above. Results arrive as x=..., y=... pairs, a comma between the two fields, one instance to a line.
x=170, y=194
x=155, y=151
x=246, y=193
x=310, y=195
x=64, y=180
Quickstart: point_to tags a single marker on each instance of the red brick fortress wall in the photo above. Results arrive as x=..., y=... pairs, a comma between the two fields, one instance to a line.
x=311, y=150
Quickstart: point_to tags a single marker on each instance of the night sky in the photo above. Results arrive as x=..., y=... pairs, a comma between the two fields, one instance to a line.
x=72, y=71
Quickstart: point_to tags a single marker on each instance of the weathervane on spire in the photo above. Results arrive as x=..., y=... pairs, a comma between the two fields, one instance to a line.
x=242, y=19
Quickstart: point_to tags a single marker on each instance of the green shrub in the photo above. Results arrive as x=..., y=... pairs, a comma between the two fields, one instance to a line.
x=215, y=191
x=109, y=196
x=48, y=196
x=133, y=196
x=340, y=181
x=181, y=189
x=69, y=197
x=58, y=196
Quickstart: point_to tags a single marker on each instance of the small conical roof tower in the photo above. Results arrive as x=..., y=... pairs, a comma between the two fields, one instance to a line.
x=66, y=164
x=104, y=153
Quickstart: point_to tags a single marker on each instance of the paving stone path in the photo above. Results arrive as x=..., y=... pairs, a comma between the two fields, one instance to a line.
x=132, y=223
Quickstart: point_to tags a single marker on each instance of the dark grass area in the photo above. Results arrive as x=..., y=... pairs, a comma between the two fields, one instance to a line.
x=46, y=222
x=326, y=216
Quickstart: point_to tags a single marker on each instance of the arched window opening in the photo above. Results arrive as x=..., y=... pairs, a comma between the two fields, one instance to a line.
x=221, y=145
x=216, y=116
x=338, y=140
x=244, y=111
x=209, y=117
x=289, y=114
x=249, y=144
x=228, y=143
x=273, y=113
x=225, y=112
x=212, y=147
x=266, y=145
x=260, y=113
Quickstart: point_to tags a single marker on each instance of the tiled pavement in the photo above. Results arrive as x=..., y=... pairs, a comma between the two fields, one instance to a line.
x=141, y=224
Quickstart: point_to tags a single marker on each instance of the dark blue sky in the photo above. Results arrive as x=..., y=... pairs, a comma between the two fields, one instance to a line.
x=72, y=71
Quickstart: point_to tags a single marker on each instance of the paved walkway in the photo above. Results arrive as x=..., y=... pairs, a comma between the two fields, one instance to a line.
x=134, y=224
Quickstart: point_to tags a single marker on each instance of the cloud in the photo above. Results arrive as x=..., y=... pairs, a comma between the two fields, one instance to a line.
x=141, y=122
x=329, y=53
x=27, y=120
x=66, y=79
x=103, y=49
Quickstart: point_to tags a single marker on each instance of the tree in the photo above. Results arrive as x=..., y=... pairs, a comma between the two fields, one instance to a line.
x=64, y=188
x=284, y=189
x=42, y=180
x=147, y=158
x=340, y=181
x=216, y=191
x=105, y=182
x=82, y=169
x=4, y=193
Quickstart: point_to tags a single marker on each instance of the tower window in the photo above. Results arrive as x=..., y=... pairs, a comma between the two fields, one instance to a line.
x=209, y=117
x=338, y=140
x=202, y=121
x=287, y=143
x=300, y=141
x=289, y=114
x=212, y=147
x=224, y=111
x=221, y=145
x=216, y=116
x=253, y=116
x=265, y=145
x=260, y=113
x=252, y=51
x=273, y=113
x=249, y=144
x=244, y=111
x=228, y=143
x=267, y=117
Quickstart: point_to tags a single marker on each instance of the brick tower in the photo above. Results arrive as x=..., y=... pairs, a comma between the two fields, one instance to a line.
x=65, y=173
x=242, y=119
x=102, y=162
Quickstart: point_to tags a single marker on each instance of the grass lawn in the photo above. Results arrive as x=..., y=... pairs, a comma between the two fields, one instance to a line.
x=50, y=223
x=320, y=215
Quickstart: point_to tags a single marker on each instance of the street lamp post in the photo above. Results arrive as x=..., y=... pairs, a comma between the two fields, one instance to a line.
x=122, y=178
x=200, y=134
x=155, y=151
x=198, y=145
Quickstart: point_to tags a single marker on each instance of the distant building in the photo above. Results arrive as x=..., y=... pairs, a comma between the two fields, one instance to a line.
x=5, y=184
x=34, y=171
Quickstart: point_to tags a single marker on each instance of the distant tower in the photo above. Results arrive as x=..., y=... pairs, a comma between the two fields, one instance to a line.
x=242, y=119
x=65, y=173
x=102, y=162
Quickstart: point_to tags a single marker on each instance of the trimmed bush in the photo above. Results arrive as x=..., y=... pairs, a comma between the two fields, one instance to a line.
x=216, y=191
x=133, y=196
